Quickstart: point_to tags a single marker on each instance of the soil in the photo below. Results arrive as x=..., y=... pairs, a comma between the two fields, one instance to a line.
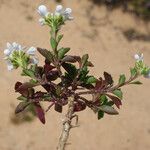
x=111, y=37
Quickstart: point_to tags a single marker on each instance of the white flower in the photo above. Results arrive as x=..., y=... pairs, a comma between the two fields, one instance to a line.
x=31, y=51
x=42, y=10
x=139, y=57
x=11, y=48
x=15, y=56
x=59, y=9
x=65, y=13
x=148, y=75
x=9, y=65
x=7, y=52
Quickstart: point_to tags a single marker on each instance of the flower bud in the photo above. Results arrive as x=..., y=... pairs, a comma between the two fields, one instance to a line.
x=42, y=10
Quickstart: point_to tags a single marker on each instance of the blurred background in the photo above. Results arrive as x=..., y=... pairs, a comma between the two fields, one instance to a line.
x=111, y=31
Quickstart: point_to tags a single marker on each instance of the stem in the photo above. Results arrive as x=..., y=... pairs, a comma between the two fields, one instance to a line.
x=109, y=89
x=66, y=125
x=54, y=32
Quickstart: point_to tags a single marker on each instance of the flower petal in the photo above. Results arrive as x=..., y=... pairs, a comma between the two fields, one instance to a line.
x=139, y=57
x=9, y=66
x=9, y=46
x=59, y=9
x=31, y=51
x=42, y=21
x=7, y=52
x=42, y=10
x=34, y=60
x=68, y=11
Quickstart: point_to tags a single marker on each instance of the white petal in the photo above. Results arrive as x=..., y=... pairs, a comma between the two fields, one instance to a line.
x=136, y=56
x=70, y=18
x=68, y=11
x=42, y=21
x=15, y=44
x=42, y=10
x=34, y=60
x=17, y=47
x=20, y=47
x=139, y=57
x=9, y=46
x=7, y=52
x=9, y=66
x=142, y=55
x=59, y=9
x=31, y=51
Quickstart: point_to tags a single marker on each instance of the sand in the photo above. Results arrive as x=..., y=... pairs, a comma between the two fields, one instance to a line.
x=95, y=31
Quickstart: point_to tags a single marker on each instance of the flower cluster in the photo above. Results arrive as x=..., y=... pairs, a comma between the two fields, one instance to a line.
x=15, y=56
x=60, y=15
x=140, y=66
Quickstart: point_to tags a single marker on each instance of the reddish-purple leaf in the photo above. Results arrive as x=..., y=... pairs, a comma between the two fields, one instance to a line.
x=25, y=86
x=24, y=92
x=47, y=54
x=116, y=100
x=99, y=84
x=39, y=94
x=89, y=63
x=48, y=67
x=79, y=106
x=58, y=108
x=17, y=85
x=52, y=75
x=39, y=112
x=108, y=78
x=49, y=88
x=71, y=59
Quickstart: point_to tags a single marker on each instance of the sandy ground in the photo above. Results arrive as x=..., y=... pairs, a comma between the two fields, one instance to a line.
x=94, y=31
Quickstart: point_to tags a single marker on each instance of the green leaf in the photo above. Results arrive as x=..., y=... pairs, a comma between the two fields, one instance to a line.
x=71, y=70
x=133, y=72
x=62, y=52
x=100, y=114
x=33, y=81
x=28, y=72
x=83, y=74
x=84, y=59
x=33, y=68
x=22, y=98
x=110, y=103
x=91, y=79
x=136, y=82
x=53, y=43
x=122, y=79
x=118, y=93
x=21, y=106
x=108, y=109
x=103, y=99
x=59, y=38
x=47, y=54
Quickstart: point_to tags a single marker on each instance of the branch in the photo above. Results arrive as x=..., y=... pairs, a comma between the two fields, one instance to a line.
x=66, y=125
